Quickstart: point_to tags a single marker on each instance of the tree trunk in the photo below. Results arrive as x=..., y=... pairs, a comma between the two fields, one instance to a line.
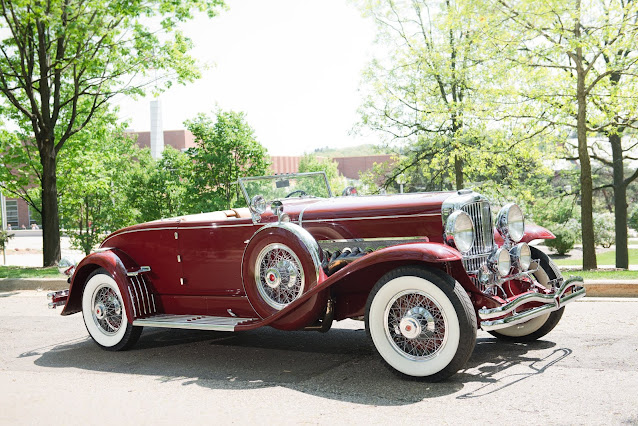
x=620, y=202
x=458, y=171
x=586, y=184
x=50, y=215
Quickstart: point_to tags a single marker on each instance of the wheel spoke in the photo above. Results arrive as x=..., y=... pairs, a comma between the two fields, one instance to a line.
x=418, y=312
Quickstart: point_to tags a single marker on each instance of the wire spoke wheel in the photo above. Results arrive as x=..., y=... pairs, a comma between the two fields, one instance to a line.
x=279, y=276
x=421, y=322
x=415, y=324
x=104, y=313
x=107, y=310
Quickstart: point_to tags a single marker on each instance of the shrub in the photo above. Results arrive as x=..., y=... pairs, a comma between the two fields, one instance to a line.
x=633, y=219
x=604, y=229
x=567, y=235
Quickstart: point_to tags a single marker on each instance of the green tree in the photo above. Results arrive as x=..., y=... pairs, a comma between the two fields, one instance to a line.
x=61, y=61
x=4, y=239
x=438, y=94
x=226, y=150
x=564, y=48
x=312, y=163
x=161, y=189
x=94, y=180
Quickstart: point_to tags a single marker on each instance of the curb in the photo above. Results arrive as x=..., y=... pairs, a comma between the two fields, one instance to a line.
x=594, y=288
x=13, y=284
x=611, y=288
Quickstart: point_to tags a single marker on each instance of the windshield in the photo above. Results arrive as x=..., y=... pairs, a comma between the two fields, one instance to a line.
x=286, y=186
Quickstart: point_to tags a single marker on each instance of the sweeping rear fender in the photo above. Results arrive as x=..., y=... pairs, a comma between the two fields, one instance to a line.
x=361, y=275
x=116, y=263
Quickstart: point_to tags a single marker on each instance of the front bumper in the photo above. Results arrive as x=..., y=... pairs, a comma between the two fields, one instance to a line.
x=58, y=298
x=507, y=315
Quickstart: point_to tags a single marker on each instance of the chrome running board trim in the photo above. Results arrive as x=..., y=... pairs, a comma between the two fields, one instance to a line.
x=192, y=322
x=553, y=302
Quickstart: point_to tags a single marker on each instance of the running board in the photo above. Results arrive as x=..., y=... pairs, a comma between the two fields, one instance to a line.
x=192, y=322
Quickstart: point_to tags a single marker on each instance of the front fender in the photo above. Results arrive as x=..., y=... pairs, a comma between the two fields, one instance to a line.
x=362, y=274
x=116, y=263
x=532, y=232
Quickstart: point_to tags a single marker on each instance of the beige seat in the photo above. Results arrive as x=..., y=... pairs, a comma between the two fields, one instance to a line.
x=242, y=212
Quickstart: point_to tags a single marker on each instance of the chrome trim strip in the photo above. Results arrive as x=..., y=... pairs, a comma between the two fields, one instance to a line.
x=153, y=299
x=215, y=226
x=148, y=299
x=381, y=239
x=132, y=303
x=142, y=293
x=137, y=297
x=553, y=303
x=373, y=217
x=137, y=230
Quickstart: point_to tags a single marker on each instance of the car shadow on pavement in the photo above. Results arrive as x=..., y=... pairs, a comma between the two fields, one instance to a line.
x=340, y=365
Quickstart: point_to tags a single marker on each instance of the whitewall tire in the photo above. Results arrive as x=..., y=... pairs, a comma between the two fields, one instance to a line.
x=421, y=322
x=104, y=313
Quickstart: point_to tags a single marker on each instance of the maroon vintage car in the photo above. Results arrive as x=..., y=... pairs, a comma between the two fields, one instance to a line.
x=424, y=271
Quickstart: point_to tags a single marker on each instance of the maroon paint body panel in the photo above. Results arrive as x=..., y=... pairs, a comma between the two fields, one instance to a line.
x=196, y=261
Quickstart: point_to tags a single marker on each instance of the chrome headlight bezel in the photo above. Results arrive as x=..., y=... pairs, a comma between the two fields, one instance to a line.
x=521, y=255
x=500, y=262
x=459, y=231
x=510, y=223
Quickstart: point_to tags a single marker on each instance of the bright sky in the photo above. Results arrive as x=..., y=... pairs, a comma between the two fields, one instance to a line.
x=293, y=66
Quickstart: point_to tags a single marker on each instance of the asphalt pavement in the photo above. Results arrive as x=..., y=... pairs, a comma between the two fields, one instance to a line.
x=583, y=372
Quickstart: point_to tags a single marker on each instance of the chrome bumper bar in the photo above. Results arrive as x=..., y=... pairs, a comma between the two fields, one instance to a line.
x=58, y=298
x=551, y=302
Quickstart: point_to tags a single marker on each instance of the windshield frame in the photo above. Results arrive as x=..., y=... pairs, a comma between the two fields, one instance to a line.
x=281, y=176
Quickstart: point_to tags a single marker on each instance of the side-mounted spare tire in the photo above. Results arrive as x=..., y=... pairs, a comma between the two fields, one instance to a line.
x=281, y=263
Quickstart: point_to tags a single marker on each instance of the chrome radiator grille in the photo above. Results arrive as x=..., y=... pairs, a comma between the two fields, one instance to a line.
x=484, y=238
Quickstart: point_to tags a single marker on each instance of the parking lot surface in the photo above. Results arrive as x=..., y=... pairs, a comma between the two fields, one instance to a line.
x=584, y=372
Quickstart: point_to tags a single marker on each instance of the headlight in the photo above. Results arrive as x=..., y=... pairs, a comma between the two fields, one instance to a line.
x=500, y=262
x=459, y=231
x=510, y=223
x=521, y=256
x=258, y=204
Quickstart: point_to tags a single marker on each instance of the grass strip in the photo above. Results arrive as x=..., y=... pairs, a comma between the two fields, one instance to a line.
x=26, y=272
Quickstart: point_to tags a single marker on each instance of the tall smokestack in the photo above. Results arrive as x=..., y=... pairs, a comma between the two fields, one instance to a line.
x=157, y=133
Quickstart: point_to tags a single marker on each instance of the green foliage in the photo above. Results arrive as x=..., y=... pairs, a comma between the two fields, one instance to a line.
x=93, y=181
x=566, y=236
x=312, y=163
x=604, y=231
x=4, y=239
x=63, y=60
x=437, y=94
x=226, y=150
x=161, y=189
x=555, y=210
x=633, y=219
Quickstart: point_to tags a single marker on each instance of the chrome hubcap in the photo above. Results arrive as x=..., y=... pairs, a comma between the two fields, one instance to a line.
x=273, y=279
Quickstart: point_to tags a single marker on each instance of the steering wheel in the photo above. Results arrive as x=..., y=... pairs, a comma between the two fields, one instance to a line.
x=301, y=193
